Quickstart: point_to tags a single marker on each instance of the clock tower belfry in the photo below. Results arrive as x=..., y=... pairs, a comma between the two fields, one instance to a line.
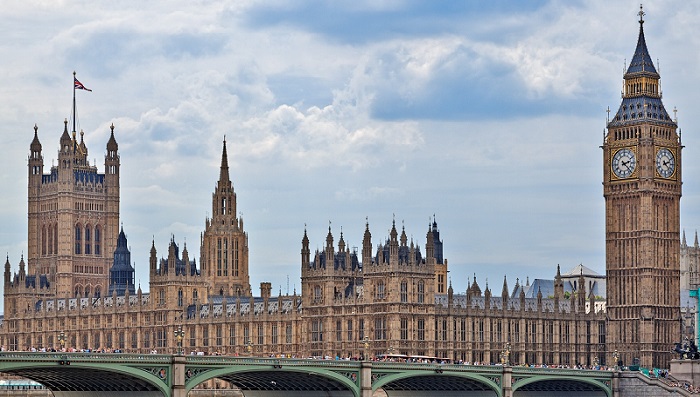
x=642, y=190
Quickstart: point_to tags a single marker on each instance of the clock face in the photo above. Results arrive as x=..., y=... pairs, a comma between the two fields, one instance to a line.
x=665, y=163
x=623, y=163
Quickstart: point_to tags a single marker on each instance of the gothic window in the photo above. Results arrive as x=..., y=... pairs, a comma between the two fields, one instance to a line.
x=317, y=330
x=338, y=331
x=55, y=239
x=380, y=328
x=421, y=292
x=78, y=239
x=43, y=240
x=161, y=297
x=98, y=250
x=275, y=337
x=404, y=328
x=380, y=290
x=87, y=291
x=78, y=289
x=404, y=292
x=361, y=328
x=195, y=296
x=441, y=283
x=349, y=330
x=288, y=332
x=232, y=335
x=87, y=240
x=318, y=296
x=193, y=337
x=235, y=258
x=421, y=329
x=219, y=335
x=225, y=257
x=205, y=335
x=218, y=257
x=134, y=340
x=179, y=297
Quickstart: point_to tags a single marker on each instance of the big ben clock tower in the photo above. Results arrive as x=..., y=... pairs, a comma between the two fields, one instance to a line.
x=642, y=190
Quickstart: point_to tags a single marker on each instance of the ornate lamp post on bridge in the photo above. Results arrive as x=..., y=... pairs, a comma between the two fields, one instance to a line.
x=616, y=358
x=62, y=340
x=365, y=343
x=505, y=354
x=248, y=347
x=179, y=334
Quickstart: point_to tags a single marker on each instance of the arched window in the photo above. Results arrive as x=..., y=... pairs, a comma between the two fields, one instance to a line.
x=78, y=290
x=87, y=291
x=195, y=296
x=87, y=240
x=43, y=240
x=161, y=297
x=380, y=292
x=78, y=239
x=404, y=292
x=98, y=250
x=318, y=295
x=421, y=292
x=55, y=239
x=97, y=292
x=179, y=297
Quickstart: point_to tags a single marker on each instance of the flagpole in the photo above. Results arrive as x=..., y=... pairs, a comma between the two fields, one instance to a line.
x=74, y=101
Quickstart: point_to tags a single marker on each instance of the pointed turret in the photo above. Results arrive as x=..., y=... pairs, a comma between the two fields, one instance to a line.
x=683, y=241
x=476, y=290
x=223, y=171
x=696, y=239
x=7, y=272
x=35, y=146
x=504, y=291
x=341, y=242
x=641, y=99
x=305, y=252
x=366, y=247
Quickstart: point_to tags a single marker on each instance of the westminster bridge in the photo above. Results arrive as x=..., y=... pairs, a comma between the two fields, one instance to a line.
x=107, y=375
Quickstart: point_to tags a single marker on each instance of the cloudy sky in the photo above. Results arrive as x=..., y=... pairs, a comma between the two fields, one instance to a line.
x=488, y=115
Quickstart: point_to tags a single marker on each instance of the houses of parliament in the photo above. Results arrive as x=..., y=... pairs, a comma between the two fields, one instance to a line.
x=75, y=288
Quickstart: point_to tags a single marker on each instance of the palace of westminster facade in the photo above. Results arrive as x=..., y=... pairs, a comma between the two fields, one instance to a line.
x=76, y=287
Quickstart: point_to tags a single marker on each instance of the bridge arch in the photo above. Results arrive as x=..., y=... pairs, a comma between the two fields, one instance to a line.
x=454, y=381
x=260, y=379
x=536, y=385
x=65, y=377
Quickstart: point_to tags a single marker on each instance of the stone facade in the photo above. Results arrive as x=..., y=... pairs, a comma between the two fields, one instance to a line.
x=392, y=299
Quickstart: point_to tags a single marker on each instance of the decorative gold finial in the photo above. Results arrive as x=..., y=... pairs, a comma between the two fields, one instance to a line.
x=641, y=14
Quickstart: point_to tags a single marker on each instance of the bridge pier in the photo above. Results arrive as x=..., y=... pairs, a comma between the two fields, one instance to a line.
x=507, y=384
x=366, y=379
x=178, y=385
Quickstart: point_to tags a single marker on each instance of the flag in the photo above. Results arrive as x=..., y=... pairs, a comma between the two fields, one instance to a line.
x=79, y=85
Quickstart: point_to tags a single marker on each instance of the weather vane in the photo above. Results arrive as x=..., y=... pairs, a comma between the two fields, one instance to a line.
x=641, y=13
